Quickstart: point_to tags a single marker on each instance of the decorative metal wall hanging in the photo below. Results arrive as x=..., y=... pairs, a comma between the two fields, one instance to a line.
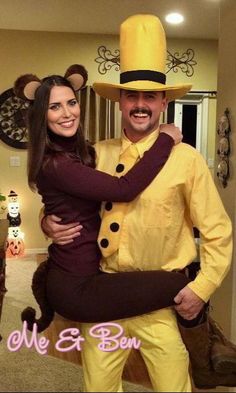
x=107, y=60
x=184, y=62
x=13, y=111
x=223, y=150
x=175, y=62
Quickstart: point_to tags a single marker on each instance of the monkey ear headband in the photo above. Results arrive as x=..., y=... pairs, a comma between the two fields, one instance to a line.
x=26, y=85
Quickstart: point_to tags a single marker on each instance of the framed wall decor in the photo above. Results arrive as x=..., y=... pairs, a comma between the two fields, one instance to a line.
x=13, y=129
x=223, y=150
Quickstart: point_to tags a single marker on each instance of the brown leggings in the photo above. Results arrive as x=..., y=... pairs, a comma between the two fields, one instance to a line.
x=106, y=296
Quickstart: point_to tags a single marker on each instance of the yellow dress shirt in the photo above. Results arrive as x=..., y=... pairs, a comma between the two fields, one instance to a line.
x=157, y=231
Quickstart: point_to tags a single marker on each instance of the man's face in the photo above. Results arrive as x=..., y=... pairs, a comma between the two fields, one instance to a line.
x=141, y=112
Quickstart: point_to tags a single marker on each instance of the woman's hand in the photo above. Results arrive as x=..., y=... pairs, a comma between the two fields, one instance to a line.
x=173, y=131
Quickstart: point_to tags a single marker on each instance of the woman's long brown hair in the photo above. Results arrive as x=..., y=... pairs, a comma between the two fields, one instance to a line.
x=39, y=142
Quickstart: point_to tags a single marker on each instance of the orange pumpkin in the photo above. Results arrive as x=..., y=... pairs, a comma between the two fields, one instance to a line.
x=15, y=247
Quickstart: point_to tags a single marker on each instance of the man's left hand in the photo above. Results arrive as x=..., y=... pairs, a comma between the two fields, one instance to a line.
x=188, y=304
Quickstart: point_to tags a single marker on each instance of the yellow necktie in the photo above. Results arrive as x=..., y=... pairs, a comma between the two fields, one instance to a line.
x=109, y=235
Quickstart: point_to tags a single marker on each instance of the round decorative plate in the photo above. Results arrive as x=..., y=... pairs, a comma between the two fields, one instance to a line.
x=13, y=110
x=223, y=126
x=223, y=169
x=223, y=149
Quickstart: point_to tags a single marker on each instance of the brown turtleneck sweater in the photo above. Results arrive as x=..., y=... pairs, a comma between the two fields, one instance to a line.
x=74, y=192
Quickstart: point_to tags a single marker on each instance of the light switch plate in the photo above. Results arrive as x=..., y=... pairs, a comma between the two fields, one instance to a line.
x=14, y=161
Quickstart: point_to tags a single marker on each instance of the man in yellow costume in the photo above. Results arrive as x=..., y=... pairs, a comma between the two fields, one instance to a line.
x=155, y=231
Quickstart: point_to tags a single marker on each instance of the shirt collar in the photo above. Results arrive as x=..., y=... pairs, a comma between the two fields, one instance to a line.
x=142, y=145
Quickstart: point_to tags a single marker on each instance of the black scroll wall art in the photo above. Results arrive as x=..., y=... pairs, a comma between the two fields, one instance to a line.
x=175, y=62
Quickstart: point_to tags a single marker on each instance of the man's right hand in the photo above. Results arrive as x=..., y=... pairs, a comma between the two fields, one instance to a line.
x=60, y=233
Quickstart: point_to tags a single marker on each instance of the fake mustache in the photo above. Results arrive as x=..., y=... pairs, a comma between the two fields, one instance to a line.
x=137, y=111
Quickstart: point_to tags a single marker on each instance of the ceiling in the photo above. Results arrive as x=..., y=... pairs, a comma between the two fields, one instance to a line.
x=105, y=16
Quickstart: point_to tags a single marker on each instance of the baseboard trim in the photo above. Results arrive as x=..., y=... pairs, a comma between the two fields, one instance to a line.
x=30, y=251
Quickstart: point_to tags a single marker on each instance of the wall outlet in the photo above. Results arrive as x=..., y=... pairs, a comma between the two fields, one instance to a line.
x=14, y=161
x=210, y=162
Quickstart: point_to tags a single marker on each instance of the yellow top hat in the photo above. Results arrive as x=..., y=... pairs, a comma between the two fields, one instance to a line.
x=142, y=60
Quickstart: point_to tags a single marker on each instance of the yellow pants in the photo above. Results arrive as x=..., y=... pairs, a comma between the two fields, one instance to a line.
x=161, y=347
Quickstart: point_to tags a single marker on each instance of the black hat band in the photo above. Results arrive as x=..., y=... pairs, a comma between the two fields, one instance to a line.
x=142, y=75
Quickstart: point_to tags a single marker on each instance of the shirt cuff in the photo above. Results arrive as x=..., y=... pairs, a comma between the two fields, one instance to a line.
x=202, y=287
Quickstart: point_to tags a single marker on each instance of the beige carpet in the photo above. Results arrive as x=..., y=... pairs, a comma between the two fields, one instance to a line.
x=26, y=370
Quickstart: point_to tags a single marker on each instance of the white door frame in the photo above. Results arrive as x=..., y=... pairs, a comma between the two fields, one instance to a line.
x=202, y=103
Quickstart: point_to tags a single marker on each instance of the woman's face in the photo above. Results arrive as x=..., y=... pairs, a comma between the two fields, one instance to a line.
x=63, y=111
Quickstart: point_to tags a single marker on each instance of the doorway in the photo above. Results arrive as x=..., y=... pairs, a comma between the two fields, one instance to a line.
x=191, y=115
